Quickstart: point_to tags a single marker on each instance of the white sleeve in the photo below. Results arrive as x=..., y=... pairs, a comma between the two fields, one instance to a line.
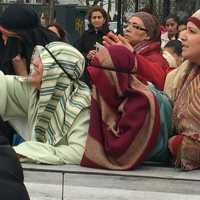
x=69, y=151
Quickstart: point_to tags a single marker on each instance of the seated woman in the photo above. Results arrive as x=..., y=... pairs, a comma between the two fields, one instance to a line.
x=19, y=36
x=130, y=120
x=50, y=107
x=142, y=35
x=182, y=86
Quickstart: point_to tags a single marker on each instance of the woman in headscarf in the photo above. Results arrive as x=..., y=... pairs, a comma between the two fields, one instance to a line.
x=49, y=108
x=21, y=31
x=130, y=120
x=182, y=86
x=142, y=37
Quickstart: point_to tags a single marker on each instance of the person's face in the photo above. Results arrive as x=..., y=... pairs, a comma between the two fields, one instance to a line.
x=176, y=57
x=181, y=35
x=191, y=43
x=97, y=19
x=172, y=27
x=135, y=31
x=43, y=20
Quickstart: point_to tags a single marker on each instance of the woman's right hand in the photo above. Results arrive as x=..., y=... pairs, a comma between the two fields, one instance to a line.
x=112, y=39
x=37, y=72
x=91, y=54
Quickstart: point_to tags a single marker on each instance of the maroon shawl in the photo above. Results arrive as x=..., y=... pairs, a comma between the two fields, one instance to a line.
x=124, y=122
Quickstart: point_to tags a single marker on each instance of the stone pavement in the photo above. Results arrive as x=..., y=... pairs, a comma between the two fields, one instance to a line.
x=69, y=182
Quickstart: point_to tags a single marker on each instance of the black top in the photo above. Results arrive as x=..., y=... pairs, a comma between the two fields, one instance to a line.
x=11, y=175
x=88, y=40
x=24, y=46
x=86, y=43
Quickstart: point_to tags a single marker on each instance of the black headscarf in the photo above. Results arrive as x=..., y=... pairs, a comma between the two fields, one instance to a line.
x=26, y=23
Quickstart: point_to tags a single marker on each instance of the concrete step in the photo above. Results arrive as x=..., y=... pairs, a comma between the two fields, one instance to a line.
x=75, y=182
x=49, y=192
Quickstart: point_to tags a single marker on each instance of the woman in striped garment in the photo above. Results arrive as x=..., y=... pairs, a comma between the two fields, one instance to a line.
x=50, y=108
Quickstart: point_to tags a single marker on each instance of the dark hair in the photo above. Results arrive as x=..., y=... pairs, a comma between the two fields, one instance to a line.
x=146, y=9
x=174, y=17
x=175, y=45
x=102, y=11
x=60, y=30
x=183, y=21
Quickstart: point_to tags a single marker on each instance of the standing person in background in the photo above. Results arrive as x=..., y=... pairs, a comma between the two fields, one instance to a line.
x=98, y=27
x=171, y=24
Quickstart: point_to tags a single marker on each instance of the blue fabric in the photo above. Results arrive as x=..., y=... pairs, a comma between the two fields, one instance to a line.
x=17, y=139
x=160, y=152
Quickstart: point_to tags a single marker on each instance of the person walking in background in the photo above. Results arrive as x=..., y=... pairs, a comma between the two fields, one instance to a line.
x=98, y=27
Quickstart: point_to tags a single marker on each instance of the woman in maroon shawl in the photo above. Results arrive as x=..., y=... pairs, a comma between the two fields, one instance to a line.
x=125, y=120
x=142, y=36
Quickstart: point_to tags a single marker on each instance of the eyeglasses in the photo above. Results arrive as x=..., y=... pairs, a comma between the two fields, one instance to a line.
x=134, y=26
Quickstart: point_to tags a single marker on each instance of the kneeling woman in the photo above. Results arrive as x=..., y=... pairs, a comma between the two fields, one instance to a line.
x=50, y=108
x=130, y=120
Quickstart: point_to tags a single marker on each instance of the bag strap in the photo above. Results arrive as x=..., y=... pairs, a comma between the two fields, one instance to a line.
x=59, y=63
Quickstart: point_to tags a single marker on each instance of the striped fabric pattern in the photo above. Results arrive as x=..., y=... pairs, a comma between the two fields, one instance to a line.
x=61, y=99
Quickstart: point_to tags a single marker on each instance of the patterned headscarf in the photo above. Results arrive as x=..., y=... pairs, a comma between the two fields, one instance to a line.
x=195, y=18
x=62, y=95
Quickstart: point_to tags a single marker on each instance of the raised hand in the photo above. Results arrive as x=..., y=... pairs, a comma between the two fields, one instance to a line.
x=91, y=54
x=112, y=39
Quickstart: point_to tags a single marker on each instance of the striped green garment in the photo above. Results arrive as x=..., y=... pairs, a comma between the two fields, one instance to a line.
x=61, y=98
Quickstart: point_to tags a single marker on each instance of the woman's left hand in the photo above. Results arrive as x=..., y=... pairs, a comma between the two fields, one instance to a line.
x=37, y=72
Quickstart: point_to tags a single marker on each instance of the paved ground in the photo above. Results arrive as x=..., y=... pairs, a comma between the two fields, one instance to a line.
x=146, y=183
